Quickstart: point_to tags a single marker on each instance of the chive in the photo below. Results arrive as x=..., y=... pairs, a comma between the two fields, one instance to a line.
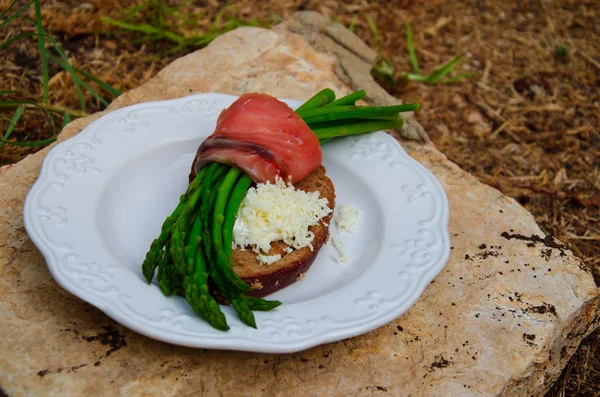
x=348, y=122
x=393, y=116
x=324, y=114
x=348, y=100
x=321, y=98
x=357, y=128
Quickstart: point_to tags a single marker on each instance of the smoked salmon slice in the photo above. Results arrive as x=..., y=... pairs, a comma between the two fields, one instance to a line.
x=263, y=137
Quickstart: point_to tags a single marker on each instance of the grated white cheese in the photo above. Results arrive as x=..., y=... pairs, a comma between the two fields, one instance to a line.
x=341, y=249
x=347, y=218
x=268, y=259
x=272, y=212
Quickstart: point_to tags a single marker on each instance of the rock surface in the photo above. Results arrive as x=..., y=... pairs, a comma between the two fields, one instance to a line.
x=502, y=318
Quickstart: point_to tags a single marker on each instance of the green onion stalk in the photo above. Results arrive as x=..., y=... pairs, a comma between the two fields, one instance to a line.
x=195, y=242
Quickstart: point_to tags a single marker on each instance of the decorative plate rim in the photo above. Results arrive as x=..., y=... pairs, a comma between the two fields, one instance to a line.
x=379, y=148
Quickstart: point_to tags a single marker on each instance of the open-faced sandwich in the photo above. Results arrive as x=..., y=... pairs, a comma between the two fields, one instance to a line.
x=258, y=206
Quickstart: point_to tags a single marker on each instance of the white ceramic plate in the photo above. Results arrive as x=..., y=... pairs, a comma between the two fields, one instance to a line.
x=102, y=196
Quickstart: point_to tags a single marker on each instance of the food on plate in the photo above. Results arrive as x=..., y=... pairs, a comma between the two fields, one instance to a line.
x=259, y=143
x=340, y=247
x=347, y=218
x=265, y=138
x=300, y=232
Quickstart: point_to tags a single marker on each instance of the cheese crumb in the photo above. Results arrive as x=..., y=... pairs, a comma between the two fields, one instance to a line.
x=341, y=249
x=347, y=219
x=268, y=259
x=273, y=212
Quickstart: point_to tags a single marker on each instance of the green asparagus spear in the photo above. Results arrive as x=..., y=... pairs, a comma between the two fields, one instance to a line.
x=262, y=305
x=231, y=211
x=196, y=282
x=243, y=311
x=222, y=260
x=154, y=255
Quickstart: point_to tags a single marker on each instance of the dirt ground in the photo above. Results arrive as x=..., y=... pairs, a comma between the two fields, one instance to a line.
x=528, y=123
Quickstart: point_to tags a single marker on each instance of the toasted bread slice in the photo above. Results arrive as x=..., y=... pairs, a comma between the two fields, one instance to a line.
x=266, y=279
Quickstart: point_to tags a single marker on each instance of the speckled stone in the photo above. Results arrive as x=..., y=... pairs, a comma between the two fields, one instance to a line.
x=502, y=318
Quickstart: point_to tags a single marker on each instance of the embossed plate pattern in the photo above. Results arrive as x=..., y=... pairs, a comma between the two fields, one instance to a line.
x=102, y=195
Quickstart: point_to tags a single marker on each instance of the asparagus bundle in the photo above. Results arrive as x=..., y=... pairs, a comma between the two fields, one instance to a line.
x=196, y=240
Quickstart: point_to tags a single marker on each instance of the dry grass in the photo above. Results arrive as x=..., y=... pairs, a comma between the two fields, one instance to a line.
x=527, y=124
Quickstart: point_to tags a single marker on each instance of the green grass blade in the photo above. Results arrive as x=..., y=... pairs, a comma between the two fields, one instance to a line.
x=411, y=49
x=93, y=92
x=374, y=32
x=205, y=40
x=16, y=38
x=415, y=77
x=353, y=22
x=10, y=92
x=16, y=14
x=135, y=10
x=105, y=86
x=23, y=103
x=459, y=77
x=219, y=16
x=66, y=119
x=28, y=144
x=444, y=70
x=174, y=49
x=68, y=66
x=144, y=28
x=13, y=122
x=173, y=36
x=8, y=9
x=275, y=18
x=41, y=43
x=69, y=69
x=148, y=38
x=35, y=143
x=16, y=102
x=383, y=68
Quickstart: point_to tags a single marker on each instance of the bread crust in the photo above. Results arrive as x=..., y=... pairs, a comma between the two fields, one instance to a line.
x=266, y=279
